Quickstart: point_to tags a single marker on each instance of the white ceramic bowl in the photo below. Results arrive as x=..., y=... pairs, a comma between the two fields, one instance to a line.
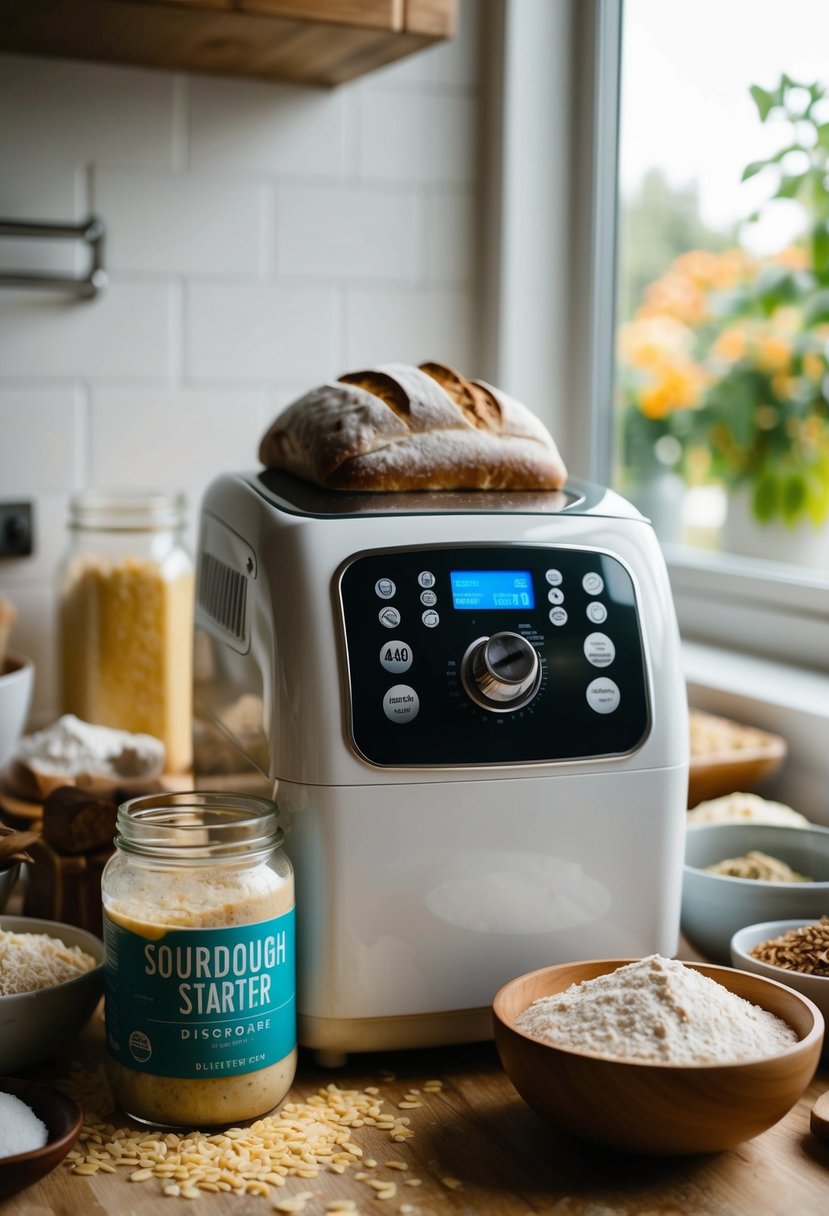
x=37, y=1025
x=815, y=987
x=715, y=906
x=16, y=684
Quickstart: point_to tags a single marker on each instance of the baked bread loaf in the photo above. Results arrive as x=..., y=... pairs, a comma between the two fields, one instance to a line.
x=399, y=427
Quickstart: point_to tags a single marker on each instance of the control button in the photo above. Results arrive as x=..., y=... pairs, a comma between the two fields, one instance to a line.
x=426, y=578
x=401, y=703
x=596, y=612
x=396, y=656
x=558, y=616
x=389, y=617
x=428, y=598
x=430, y=618
x=555, y=595
x=501, y=672
x=603, y=696
x=554, y=577
x=593, y=583
x=385, y=588
x=599, y=650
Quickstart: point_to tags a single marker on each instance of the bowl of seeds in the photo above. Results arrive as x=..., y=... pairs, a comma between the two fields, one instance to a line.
x=739, y=874
x=793, y=952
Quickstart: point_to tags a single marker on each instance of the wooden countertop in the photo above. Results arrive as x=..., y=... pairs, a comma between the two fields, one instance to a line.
x=477, y=1132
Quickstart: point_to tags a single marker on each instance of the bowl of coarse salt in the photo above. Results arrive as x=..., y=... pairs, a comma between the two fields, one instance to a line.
x=657, y=1056
x=51, y=979
x=38, y=1126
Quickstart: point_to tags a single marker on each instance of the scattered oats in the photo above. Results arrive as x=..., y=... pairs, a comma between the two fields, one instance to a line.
x=413, y=1182
x=396, y=1165
x=454, y=1184
x=138, y=1175
x=361, y=1176
x=341, y=1205
x=409, y=1104
x=407, y=1207
x=433, y=1087
x=172, y=1188
x=371, y=1089
x=371, y=1163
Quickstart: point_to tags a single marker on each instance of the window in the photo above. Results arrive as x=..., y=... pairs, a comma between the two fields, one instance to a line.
x=721, y=397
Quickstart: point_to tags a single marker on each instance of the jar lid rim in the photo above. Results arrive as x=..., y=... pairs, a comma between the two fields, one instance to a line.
x=119, y=508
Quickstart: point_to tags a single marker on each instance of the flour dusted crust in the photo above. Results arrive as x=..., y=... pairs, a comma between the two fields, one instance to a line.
x=398, y=427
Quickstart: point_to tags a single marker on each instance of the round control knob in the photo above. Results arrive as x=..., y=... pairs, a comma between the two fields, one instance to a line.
x=501, y=672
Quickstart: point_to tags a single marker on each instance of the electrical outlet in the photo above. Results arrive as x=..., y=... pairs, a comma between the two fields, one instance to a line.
x=16, y=532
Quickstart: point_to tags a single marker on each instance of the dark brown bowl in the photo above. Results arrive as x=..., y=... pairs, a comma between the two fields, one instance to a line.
x=63, y=1119
x=656, y=1108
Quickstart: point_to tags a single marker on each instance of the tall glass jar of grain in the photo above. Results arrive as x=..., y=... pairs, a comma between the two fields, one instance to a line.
x=126, y=617
x=199, y=960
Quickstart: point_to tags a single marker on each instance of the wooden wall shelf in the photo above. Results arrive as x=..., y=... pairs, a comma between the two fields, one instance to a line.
x=314, y=42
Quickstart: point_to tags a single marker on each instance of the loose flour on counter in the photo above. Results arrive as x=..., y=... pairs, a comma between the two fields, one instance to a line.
x=657, y=1010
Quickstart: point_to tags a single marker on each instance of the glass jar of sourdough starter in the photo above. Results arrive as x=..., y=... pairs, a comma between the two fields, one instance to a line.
x=199, y=960
x=126, y=617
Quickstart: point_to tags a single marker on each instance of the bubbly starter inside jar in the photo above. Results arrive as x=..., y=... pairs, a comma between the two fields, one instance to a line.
x=200, y=972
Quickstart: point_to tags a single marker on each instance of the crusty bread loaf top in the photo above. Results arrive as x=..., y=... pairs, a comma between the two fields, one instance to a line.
x=398, y=427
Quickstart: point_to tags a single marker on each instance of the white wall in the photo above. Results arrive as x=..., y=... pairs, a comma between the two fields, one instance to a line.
x=261, y=238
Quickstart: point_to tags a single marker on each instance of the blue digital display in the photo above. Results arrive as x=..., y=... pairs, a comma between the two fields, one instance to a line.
x=481, y=590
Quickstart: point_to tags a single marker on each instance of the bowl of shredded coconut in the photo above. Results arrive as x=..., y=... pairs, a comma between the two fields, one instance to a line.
x=654, y=1055
x=740, y=874
x=51, y=979
x=38, y=1126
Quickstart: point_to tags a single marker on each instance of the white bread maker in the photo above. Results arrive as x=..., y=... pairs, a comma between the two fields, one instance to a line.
x=473, y=709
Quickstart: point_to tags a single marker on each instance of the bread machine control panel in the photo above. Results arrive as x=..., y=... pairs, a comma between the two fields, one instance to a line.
x=500, y=654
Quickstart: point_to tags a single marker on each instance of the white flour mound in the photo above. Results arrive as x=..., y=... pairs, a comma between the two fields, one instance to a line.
x=659, y=1010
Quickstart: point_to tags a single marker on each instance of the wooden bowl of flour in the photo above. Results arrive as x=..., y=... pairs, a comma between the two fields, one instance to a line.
x=659, y=1108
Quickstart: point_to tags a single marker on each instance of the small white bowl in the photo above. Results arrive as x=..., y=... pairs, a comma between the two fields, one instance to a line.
x=815, y=987
x=37, y=1025
x=16, y=683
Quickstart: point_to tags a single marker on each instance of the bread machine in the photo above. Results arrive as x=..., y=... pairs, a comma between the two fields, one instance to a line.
x=473, y=709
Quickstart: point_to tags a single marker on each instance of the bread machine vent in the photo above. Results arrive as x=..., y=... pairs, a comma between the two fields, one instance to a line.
x=223, y=594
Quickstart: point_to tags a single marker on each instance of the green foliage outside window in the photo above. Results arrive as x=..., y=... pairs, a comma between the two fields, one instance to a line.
x=724, y=366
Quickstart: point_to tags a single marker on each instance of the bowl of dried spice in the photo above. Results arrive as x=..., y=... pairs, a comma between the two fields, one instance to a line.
x=654, y=1055
x=793, y=952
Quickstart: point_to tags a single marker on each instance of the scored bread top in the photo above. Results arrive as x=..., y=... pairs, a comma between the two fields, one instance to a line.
x=399, y=427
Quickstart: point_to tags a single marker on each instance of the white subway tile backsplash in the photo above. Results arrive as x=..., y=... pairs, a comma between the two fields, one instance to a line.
x=125, y=332
x=385, y=326
x=262, y=237
x=59, y=112
x=186, y=436
x=452, y=237
x=266, y=129
x=41, y=440
x=348, y=232
x=417, y=137
x=260, y=331
x=180, y=223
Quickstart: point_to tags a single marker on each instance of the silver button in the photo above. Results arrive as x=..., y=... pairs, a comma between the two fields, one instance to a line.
x=430, y=618
x=426, y=578
x=401, y=704
x=555, y=595
x=385, y=588
x=389, y=617
x=596, y=612
x=428, y=598
x=603, y=696
x=396, y=656
x=593, y=583
x=599, y=650
x=554, y=577
x=558, y=616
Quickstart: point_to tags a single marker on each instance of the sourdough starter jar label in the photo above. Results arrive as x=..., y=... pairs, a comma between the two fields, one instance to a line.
x=201, y=1003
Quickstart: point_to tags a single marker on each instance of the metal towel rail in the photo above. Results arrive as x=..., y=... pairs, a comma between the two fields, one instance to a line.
x=90, y=231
